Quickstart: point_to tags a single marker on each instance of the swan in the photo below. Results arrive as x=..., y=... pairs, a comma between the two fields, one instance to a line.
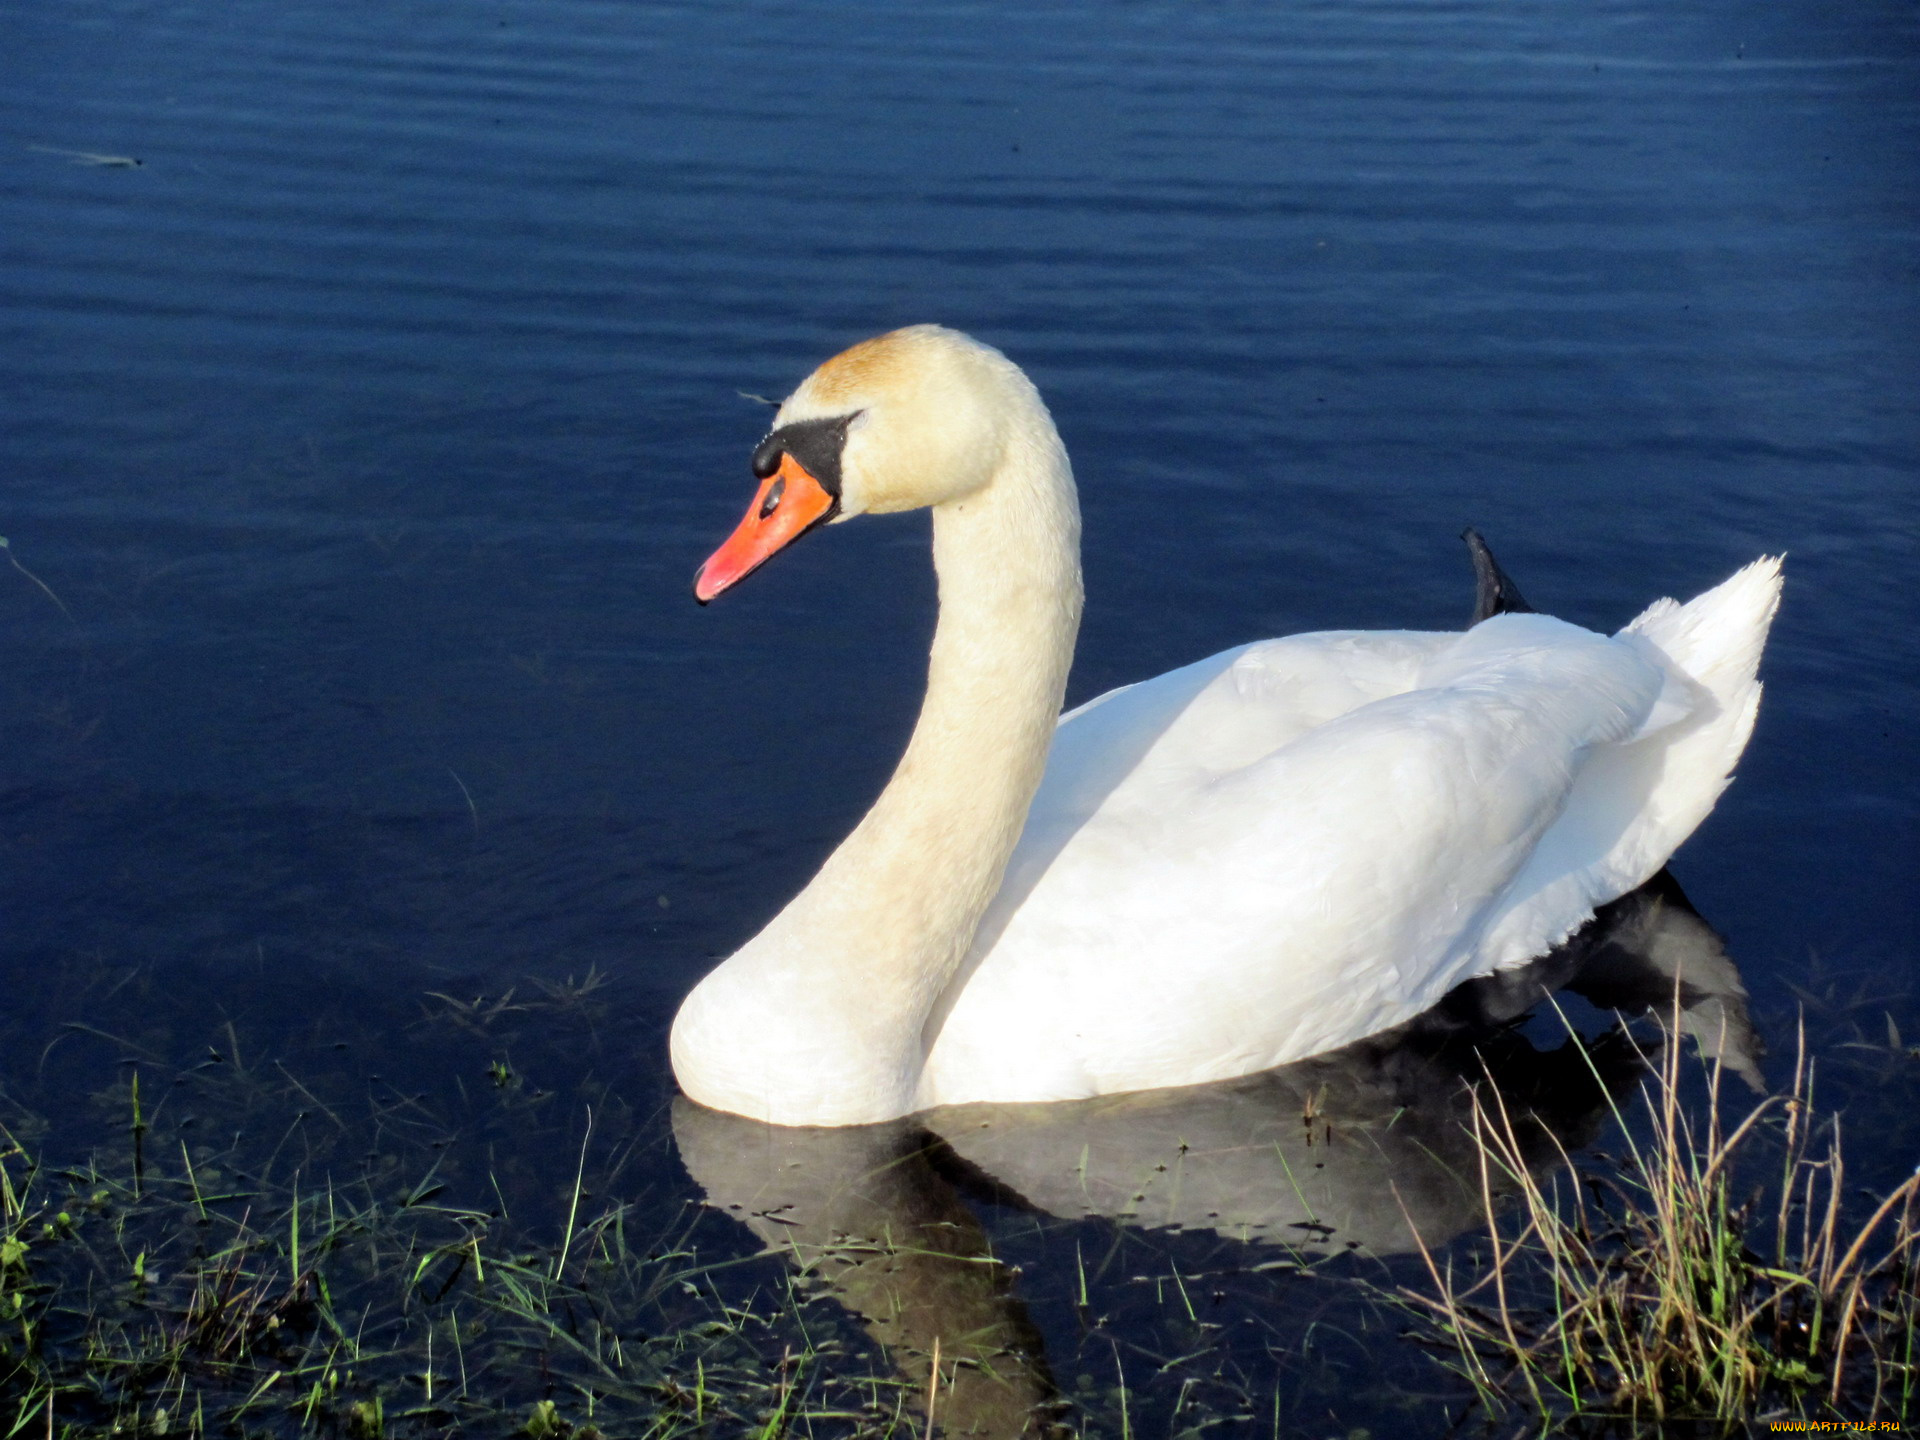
x=1256, y=858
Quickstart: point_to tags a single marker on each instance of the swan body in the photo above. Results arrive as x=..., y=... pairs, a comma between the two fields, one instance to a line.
x=1253, y=859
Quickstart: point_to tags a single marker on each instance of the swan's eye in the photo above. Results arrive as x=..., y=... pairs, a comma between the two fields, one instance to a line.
x=774, y=492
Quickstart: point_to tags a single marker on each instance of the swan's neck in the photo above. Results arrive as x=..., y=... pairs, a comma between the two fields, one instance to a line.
x=818, y=1019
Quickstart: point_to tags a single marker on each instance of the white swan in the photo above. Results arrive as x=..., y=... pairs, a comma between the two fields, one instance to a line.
x=1256, y=858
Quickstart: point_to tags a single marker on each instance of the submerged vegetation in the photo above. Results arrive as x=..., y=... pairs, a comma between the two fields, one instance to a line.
x=284, y=1279
x=175, y=1287
x=228, y=1244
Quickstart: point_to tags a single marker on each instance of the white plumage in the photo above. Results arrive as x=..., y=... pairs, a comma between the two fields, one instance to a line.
x=1301, y=842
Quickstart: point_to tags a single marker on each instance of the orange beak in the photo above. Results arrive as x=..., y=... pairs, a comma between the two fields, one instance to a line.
x=789, y=503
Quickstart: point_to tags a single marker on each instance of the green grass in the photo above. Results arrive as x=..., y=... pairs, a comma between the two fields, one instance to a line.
x=1714, y=1271
x=497, y=1271
x=348, y=1213
x=296, y=1247
x=183, y=1286
x=200, y=1306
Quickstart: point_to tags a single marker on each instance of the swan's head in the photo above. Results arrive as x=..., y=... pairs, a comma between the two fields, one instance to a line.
x=908, y=419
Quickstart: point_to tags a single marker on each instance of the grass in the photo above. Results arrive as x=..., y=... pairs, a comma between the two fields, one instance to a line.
x=250, y=1251
x=282, y=1280
x=296, y=1247
x=347, y=1212
x=1714, y=1272
x=197, y=1303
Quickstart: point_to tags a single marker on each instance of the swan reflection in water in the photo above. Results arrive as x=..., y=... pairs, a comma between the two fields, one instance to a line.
x=1340, y=1152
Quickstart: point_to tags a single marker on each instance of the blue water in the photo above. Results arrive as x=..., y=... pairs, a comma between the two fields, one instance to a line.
x=369, y=430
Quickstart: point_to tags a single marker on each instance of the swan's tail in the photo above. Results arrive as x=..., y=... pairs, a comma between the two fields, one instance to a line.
x=1717, y=637
x=1634, y=803
x=1715, y=641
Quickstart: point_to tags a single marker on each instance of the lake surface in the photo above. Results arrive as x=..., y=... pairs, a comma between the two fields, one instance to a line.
x=362, y=438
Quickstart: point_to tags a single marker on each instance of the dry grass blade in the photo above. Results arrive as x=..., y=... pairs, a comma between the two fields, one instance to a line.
x=1651, y=1305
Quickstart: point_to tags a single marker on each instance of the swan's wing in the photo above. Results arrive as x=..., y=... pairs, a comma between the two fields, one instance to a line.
x=1215, y=715
x=1269, y=880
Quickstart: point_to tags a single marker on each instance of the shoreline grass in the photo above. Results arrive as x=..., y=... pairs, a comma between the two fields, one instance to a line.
x=175, y=1290
x=1680, y=1282
x=336, y=1313
x=257, y=1250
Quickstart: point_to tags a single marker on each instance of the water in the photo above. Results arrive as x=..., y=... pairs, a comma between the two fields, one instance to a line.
x=370, y=428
